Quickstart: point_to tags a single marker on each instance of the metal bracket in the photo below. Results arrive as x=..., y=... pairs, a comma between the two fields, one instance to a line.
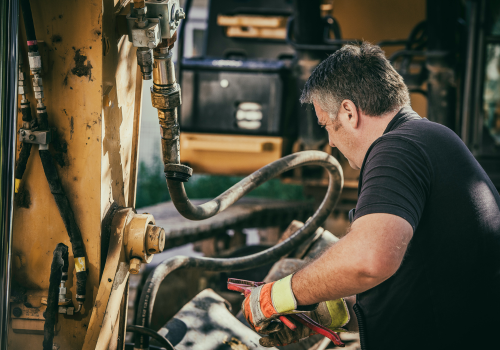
x=166, y=13
x=35, y=137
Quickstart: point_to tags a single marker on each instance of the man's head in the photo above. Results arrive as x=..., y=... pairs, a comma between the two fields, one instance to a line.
x=354, y=92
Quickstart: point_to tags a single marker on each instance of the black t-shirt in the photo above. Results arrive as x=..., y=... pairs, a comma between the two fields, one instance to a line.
x=446, y=293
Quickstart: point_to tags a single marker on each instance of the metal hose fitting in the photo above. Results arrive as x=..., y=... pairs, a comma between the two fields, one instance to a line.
x=166, y=97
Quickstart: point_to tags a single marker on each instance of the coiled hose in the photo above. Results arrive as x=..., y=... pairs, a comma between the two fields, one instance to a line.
x=209, y=209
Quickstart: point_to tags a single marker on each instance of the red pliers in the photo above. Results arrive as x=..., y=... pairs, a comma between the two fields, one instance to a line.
x=243, y=287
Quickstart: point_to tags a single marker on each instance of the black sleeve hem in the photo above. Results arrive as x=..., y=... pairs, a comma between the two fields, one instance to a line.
x=381, y=208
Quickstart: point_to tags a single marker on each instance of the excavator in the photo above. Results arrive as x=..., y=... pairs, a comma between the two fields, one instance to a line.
x=80, y=267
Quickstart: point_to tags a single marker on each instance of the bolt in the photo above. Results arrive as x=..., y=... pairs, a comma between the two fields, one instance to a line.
x=180, y=14
x=135, y=266
x=23, y=132
x=32, y=137
x=17, y=312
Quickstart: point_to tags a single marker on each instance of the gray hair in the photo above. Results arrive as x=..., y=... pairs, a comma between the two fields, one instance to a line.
x=360, y=74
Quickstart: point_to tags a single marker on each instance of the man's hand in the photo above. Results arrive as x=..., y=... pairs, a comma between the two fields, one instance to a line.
x=269, y=301
x=266, y=303
x=331, y=314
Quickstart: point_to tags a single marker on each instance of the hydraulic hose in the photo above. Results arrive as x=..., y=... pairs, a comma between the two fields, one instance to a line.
x=29, y=26
x=187, y=209
x=153, y=334
x=75, y=236
x=60, y=257
x=226, y=199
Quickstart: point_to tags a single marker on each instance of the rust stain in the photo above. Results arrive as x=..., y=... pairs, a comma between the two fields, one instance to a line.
x=81, y=68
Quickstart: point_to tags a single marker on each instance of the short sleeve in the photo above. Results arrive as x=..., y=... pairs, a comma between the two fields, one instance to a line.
x=395, y=179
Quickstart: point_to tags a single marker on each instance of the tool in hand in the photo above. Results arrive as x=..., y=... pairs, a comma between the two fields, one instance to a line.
x=244, y=287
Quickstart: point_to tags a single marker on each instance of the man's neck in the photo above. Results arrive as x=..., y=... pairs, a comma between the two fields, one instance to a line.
x=373, y=128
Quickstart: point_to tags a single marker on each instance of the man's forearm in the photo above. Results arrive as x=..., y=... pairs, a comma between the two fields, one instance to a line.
x=335, y=274
x=369, y=254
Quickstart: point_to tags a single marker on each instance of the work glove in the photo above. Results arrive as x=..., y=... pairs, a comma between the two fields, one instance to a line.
x=266, y=303
x=331, y=314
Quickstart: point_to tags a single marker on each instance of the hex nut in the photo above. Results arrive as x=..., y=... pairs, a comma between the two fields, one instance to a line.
x=135, y=266
x=141, y=11
x=22, y=90
x=38, y=95
x=166, y=100
x=37, y=81
x=35, y=63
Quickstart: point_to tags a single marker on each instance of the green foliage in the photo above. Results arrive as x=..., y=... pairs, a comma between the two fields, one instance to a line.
x=152, y=187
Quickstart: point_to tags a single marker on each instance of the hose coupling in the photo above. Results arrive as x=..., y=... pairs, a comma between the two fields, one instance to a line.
x=178, y=172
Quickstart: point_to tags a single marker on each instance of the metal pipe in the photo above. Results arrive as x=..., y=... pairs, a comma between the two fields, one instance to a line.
x=9, y=24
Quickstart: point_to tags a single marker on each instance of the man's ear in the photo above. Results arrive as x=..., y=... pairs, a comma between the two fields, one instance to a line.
x=351, y=112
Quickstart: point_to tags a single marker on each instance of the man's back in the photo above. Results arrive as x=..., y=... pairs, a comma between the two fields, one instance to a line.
x=449, y=282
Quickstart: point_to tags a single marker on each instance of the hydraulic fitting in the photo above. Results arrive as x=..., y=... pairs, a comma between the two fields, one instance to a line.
x=22, y=85
x=145, y=61
x=166, y=97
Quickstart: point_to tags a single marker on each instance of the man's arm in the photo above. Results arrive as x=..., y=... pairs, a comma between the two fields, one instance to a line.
x=368, y=255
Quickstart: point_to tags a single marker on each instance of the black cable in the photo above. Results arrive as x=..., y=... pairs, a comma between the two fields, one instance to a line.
x=153, y=334
x=29, y=26
x=59, y=256
x=22, y=160
x=68, y=218
x=180, y=40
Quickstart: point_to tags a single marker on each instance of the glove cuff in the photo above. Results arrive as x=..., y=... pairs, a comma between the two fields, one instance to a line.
x=338, y=312
x=282, y=295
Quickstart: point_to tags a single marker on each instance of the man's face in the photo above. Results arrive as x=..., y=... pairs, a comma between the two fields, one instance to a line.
x=337, y=133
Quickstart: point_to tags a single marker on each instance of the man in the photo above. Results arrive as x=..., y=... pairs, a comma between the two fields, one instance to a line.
x=423, y=251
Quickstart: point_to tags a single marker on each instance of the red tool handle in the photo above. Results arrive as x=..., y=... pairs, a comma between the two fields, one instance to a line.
x=316, y=327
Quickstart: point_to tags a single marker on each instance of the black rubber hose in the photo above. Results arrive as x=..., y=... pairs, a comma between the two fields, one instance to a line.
x=42, y=119
x=153, y=334
x=53, y=298
x=68, y=218
x=28, y=25
x=226, y=199
x=64, y=276
x=215, y=206
x=180, y=40
x=22, y=160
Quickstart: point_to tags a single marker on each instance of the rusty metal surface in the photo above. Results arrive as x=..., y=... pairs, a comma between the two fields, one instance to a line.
x=84, y=64
x=246, y=213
